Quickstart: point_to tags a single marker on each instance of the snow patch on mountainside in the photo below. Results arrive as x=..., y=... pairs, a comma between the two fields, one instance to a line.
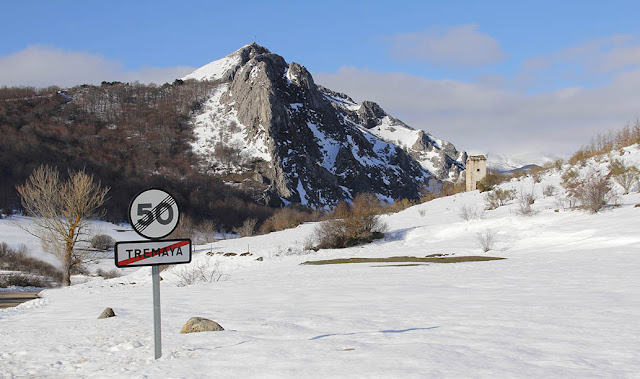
x=216, y=69
x=395, y=132
x=218, y=127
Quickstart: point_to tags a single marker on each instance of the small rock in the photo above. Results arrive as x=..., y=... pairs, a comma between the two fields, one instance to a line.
x=108, y=312
x=230, y=254
x=200, y=324
x=260, y=259
x=245, y=254
x=637, y=206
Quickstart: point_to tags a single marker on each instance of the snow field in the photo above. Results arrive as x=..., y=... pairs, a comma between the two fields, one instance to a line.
x=564, y=304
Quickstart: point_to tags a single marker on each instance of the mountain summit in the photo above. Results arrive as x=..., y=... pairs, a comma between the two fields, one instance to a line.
x=269, y=122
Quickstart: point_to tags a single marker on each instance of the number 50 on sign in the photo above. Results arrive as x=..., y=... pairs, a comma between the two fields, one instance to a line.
x=154, y=213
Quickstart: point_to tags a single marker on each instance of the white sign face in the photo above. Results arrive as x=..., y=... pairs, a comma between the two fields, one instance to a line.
x=150, y=253
x=154, y=213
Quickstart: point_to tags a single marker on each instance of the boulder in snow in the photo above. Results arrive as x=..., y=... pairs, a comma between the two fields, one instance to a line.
x=200, y=324
x=108, y=312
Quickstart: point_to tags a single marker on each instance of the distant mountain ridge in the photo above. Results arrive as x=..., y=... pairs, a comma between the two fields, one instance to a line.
x=268, y=121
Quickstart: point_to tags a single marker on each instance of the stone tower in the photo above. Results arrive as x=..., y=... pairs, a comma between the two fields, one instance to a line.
x=476, y=171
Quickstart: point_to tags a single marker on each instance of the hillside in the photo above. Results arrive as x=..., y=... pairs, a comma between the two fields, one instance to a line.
x=563, y=303
x=245, y=133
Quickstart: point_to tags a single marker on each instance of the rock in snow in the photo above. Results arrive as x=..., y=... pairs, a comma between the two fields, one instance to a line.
x=200, y=324
x=308, y=144
x=107, y=313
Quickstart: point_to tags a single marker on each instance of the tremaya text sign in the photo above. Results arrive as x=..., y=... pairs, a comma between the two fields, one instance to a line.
x=154, y=213
x=151, y=253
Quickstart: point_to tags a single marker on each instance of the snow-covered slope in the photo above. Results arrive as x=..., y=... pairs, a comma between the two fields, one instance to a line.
x=563, y=304
x=215, y=70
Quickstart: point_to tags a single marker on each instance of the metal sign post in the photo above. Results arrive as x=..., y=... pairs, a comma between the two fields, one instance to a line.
x=157, y=330
x=153, y=214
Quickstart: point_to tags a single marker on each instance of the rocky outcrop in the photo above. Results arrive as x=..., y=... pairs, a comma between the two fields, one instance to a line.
x=319, y=146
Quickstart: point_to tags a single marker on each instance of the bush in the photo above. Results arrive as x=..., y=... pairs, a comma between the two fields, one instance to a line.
x=402, y=204
x=491, y=180
x=549, y=190
x=468, y=213
x=108, y=274
x=19, y=260
x=359, y=224
x=202, y=271
x=287, y=218
x=498, y=198
x=486, y=240
x=525, y=201
x=22, y=280
x=592, y=190
x=198, y=233
x=595, y=192
x=248, y=228
x=625, y=176
x=103, y=242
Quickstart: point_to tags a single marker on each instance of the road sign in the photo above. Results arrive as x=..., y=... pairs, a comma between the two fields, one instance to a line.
x=154, y=213
x=151, y=253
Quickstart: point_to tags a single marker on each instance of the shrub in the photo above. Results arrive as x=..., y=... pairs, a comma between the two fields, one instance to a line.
x=402, y=204
x=486, y=240
x=525, y=201
x=199, y=233
x=110, y=274
x=202, y=271
x=22, y=280
x=360, y=224
x=491, y=180
x=287, y=218
x=103, y=242
x=595, y=192
x=19, y=260
x=592, y=190
x=468, y=213
x=549, y=190
x=625, y=176
x=498, y=198
x=248, y=228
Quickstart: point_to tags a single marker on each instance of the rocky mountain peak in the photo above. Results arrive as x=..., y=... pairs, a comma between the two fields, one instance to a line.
x=316, y=146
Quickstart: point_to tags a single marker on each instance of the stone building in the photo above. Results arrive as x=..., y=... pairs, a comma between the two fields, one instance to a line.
x=476, y=171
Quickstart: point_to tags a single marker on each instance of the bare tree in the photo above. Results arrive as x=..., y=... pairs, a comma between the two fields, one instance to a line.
x=61, y=211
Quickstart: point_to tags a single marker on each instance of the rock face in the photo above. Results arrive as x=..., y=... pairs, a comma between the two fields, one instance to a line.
x=308, y=144
x=107, y=313
x=200, y=324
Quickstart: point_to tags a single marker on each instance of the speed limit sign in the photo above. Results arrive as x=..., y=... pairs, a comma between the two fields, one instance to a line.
x=153, y=213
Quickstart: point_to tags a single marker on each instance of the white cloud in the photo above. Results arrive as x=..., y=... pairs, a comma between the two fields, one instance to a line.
x=462, y=46
x=480, y=118
x=42, y=66
x=599, y=56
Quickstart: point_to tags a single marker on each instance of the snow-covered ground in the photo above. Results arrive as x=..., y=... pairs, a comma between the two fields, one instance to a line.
x=564, y=304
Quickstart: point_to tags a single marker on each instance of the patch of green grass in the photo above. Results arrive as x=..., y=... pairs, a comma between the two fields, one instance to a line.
x=472, y=258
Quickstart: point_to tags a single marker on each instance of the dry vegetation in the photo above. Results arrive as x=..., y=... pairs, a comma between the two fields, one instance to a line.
x=354, y=224
x=28, y=271
x=606, y=143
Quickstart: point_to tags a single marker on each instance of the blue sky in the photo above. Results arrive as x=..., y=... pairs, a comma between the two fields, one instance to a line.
x=483, y=75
